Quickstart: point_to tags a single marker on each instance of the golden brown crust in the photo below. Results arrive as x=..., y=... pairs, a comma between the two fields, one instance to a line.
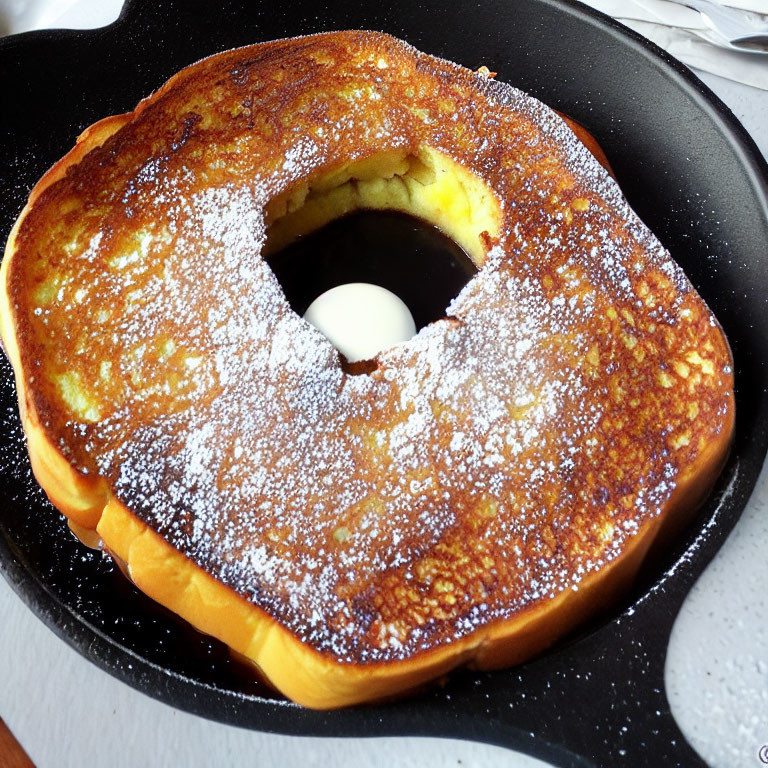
x=631, y=422
x=589, y=141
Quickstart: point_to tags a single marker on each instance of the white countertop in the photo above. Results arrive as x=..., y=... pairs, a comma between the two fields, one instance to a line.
x=67, y=712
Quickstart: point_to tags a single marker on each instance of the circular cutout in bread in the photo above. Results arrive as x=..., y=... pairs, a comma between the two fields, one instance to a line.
x=486, y=486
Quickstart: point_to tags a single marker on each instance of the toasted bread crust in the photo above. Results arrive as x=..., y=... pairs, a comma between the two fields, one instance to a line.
x=665, y=432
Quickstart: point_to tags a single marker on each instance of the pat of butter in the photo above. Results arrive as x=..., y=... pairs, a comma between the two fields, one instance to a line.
x=361, y=319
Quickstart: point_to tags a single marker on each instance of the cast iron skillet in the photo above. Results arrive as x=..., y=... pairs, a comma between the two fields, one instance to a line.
x=686, y=166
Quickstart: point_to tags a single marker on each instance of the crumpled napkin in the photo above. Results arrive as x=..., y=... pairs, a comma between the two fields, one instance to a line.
x=25, y=15
x=682, y=32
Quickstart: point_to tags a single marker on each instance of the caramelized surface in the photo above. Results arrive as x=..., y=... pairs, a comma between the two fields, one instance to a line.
x=578, y=392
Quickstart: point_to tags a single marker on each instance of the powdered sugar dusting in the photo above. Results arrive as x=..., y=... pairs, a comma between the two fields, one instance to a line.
x=493, y=461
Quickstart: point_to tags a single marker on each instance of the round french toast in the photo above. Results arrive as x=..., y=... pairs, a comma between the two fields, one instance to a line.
x=471, y=497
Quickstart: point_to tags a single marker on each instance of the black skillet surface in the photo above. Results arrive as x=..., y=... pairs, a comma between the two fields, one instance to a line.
x=688, y=169
x=401, y=253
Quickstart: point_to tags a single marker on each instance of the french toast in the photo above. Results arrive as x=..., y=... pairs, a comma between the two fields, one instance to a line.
x=485, y=487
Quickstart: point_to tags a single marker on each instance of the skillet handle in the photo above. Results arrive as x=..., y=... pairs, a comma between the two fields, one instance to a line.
x=598, y=703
